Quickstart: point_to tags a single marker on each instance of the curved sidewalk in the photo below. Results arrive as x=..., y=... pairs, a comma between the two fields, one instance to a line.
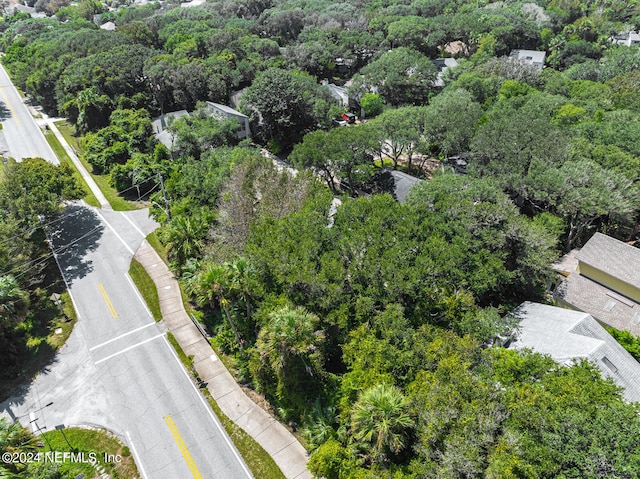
x=283, y=447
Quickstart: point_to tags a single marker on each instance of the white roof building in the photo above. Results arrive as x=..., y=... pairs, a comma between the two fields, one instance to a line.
x=529, y=57
x=568, y=336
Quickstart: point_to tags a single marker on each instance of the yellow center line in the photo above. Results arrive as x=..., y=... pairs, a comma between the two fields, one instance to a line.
x=107, y=300
x=6, y=100
x=183, y=448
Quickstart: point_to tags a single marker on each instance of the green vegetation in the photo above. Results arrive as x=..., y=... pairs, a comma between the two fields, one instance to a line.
x=156, y=244
x=62, y=155
x=100, y=453
x=117, y=202
x=32, y=326
x=627, y=340
x=147, y=288
x=102, y=443
x=382, y=311
x=257, y=459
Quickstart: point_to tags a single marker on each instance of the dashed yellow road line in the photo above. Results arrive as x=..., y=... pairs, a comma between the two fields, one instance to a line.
x=6, y=100
x=107, y=300
x=183, y=448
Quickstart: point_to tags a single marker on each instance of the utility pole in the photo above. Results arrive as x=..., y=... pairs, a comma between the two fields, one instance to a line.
x=164, y=194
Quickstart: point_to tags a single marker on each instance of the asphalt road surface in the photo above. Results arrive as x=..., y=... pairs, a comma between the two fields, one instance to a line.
x=24, y=138
x=117, y=370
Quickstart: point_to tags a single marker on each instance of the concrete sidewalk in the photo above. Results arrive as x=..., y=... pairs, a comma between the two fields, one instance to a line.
x=50, y=122
x=286, y=451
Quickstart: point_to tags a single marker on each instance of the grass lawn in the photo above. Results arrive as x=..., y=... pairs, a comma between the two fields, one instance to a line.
x=62, y=155
x=386, y=163
x=117, y=202
x=257, y=459
x=147, y=288
x=161, y=249
x=39, y=336
x=112, y=457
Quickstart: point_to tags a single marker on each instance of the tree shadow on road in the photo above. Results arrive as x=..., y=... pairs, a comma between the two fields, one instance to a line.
x=73, y=237
x=5, y=113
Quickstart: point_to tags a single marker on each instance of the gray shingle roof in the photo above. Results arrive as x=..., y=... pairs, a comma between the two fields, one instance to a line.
x=226, y=109
x=567, y=335
x=604, y=304
x=613, y=257
x=403, y=184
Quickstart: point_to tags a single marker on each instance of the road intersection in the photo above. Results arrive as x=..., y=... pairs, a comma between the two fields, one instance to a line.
x=117, y=370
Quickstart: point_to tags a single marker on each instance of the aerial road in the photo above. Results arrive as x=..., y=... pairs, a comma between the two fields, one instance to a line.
x=117, y=370
x=22, y=135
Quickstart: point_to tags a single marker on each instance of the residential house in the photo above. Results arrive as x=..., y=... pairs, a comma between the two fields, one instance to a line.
x=605, y=283
x=569, y=336
x=340, y=93
x=402, y=184
x=160, y=125
x=224, y=112
x=630, y=39
x=529, y=57
x=443, y=64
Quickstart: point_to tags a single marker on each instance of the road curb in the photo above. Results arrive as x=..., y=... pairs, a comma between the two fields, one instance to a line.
x=282, y=446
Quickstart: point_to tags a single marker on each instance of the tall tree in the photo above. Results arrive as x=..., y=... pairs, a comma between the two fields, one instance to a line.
x=402, y=76
x=211, y=285
x=289, y=103
x=289, y=347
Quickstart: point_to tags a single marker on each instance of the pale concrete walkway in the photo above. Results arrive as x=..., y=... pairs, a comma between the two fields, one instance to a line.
x=283, y=447
x=50, y=122
x=286, y=451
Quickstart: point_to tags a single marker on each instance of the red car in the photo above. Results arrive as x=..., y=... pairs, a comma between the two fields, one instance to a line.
x=349, y=117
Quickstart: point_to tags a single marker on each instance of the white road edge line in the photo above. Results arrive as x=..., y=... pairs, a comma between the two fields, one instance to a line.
x=208, y=408
x=128, y=349
x=133, y=224
x=121, y=336
x=135, y=290
x=136, y=457
x=114, y=232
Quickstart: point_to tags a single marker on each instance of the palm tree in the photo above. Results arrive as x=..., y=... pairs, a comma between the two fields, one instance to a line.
x=380, y=418
x=14, y=438
x=290, y=333
x=211, y=285
x=241, y=274
x=183, y=237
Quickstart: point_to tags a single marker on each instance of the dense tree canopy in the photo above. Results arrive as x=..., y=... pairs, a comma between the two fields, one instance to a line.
x=369, y=325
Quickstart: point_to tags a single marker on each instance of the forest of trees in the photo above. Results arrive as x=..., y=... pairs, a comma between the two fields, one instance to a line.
x=31, y=193
x=371, y=332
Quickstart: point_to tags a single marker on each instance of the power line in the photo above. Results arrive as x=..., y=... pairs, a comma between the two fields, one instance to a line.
x=31, y=230
x=42, y=259
x=137, y=184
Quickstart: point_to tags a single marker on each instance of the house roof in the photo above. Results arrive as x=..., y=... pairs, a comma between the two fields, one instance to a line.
x=532, y=57
x=403, y=184
x=567, y=264
x=442, y=64
x=607, y=306
x=109, y=26
x=567, y=335
x=338, y=92
x=160, y=124
x=613, y=257
x=226, y=109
